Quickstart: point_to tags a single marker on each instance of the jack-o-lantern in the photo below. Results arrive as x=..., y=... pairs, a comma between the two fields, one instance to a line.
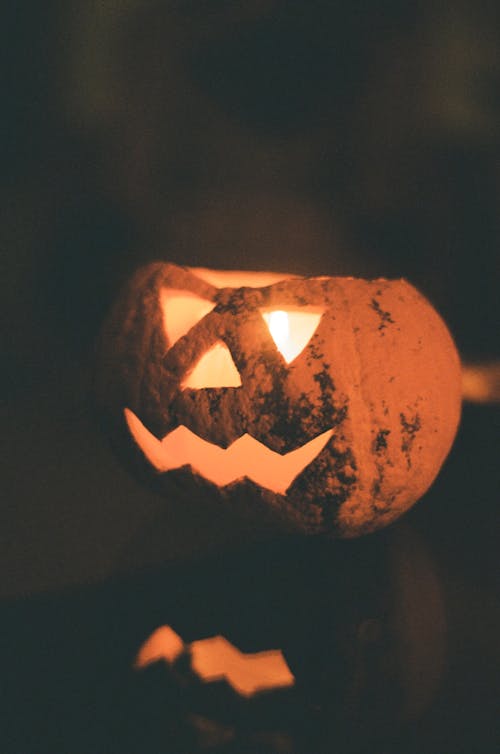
x=331, y=401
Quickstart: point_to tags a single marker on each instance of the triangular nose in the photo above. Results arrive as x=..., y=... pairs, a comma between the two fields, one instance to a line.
x=216, y=368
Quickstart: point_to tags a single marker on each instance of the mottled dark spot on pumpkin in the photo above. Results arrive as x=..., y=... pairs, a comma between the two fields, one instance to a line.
x=332, y=503
x=345, y=478
x=214, y=399
x=340, y=414
x=237, y=302
x=315, y=351
x=377, y=483
x=384, y=316
x=331, y=415
x=231, y=306
x=241, y=362
x=380, y=442
x=324, y=379
x=409, y=429
x=334, y=468
x=285, y=423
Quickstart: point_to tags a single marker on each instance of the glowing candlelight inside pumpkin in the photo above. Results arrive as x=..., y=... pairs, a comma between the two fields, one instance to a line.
x=279, y=327
x=291, y=330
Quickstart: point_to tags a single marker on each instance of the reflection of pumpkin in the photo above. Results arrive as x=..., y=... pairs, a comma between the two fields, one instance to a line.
x=216, y=659
x=333, y=400
x=362, y=629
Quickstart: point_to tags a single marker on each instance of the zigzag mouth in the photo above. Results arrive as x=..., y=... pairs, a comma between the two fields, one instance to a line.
x=246, y=457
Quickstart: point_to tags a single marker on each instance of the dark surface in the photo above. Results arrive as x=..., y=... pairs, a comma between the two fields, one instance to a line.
x=393, y=640
x=321, y=138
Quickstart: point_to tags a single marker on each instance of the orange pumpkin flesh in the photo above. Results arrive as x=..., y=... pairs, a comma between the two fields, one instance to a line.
x=339, y=430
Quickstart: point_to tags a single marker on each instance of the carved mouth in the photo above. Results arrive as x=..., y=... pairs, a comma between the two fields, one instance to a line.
x=245, y=457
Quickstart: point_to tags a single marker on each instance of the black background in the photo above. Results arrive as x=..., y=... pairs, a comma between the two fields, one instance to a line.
x=318, y=138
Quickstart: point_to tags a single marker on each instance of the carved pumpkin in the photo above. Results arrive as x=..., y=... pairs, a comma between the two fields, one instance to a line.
x=331, y=401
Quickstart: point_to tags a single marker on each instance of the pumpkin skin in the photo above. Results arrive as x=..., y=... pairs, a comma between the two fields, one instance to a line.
x=380, y=372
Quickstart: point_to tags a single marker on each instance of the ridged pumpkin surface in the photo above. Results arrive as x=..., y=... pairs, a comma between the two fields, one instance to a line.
x=380, y=372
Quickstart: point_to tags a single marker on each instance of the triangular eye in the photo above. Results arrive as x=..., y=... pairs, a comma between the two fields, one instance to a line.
x=181, y=311
x=291, y=329
x=216, y=368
